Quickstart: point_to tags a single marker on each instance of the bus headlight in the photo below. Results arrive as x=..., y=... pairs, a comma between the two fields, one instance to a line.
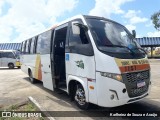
x=112, y=75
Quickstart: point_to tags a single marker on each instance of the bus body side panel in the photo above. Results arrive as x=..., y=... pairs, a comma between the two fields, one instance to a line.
x=10, y=60
x=82, y=68
x=28, y=62
x=46, y=71
x=4, y=62
x=40, y=67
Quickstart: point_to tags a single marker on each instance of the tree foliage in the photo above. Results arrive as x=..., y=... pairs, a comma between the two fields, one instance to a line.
x=156, y=20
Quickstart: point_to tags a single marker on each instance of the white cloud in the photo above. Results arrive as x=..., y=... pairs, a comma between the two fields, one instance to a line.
x=154, y=34
x=130, y=27
x=134, y=18
x=107, y=7
x=29, y=17
x=1, y=4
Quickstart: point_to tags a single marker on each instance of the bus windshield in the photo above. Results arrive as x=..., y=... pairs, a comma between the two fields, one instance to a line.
x=17, y=54
x=113, y=37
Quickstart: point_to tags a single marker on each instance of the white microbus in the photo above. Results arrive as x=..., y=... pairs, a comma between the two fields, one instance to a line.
x=94, y=59
x=9, y=58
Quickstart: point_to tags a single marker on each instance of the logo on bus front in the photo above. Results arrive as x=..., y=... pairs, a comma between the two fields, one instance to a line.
x=80, y=64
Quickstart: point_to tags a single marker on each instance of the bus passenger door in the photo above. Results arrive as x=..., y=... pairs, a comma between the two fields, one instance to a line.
x=58, y=56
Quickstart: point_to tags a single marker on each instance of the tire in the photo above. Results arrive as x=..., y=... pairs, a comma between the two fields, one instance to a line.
x=32, y=80
x=19, y=67
x=80, y=98
x=11, y=65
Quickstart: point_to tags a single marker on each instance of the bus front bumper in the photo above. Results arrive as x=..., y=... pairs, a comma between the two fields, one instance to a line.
x=112, y=93
x=18, y=64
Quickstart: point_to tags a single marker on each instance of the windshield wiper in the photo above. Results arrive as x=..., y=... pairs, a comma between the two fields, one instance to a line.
x=120, y=46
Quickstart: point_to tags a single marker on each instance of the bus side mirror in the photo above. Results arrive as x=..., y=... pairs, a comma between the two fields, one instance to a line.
x=134, y=33
x=75, y=29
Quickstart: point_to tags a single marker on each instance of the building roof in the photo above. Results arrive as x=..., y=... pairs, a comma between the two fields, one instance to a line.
x=10, y=46
x=149, y=41
x=144, y=42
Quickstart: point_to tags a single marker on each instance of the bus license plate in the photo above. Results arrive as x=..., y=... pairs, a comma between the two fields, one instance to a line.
x=141, y=84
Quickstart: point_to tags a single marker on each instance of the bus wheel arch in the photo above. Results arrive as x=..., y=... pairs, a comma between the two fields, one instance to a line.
x=71, y=90
x=10, y=65
x=32, y=80
x=77, y=93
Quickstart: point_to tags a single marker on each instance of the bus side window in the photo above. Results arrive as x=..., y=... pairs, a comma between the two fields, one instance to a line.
x=80, y=43
x=78, y=39
x=43, y=43
x=35, y=45
x=32, y=45
x=2, y=55
x=10, y=55
x=27, y=47
x=24, y=47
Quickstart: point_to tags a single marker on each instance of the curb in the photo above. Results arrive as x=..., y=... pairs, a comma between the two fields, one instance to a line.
x=49, y=117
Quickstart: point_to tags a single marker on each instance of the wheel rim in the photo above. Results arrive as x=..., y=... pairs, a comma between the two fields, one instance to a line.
x=10, y=66
x=80, y=96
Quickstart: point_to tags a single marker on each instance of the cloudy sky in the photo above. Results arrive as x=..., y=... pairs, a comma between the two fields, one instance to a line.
x=21, y=19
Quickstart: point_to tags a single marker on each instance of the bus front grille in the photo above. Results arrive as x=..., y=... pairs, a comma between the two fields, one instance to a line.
x=132, y=79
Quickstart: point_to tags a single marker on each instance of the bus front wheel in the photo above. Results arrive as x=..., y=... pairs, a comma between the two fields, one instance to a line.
x=80, y=97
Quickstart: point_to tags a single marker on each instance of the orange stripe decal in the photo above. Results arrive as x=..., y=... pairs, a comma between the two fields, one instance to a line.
x=134, y=68
x=132, y=65
x=38, y=71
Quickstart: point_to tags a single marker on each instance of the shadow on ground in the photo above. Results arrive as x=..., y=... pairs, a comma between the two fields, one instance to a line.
x=143, y=106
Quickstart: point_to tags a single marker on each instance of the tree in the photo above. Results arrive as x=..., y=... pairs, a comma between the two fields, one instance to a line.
x=156, y=20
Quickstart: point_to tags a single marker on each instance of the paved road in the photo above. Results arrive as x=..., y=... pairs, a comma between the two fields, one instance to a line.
x=15, y=87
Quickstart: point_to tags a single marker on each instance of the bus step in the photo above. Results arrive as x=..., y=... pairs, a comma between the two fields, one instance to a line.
x=64, y=89
x=62, y=86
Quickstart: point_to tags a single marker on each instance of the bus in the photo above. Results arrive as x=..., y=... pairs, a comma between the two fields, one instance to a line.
x=9, y=58
x=94, y=59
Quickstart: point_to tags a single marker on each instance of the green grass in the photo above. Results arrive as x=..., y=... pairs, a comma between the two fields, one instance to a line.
x=30, y=107
x=26, y=107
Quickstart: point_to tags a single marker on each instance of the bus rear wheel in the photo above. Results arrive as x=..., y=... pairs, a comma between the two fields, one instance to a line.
x=80, y=97
x=11, y=65
x=31, y=77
